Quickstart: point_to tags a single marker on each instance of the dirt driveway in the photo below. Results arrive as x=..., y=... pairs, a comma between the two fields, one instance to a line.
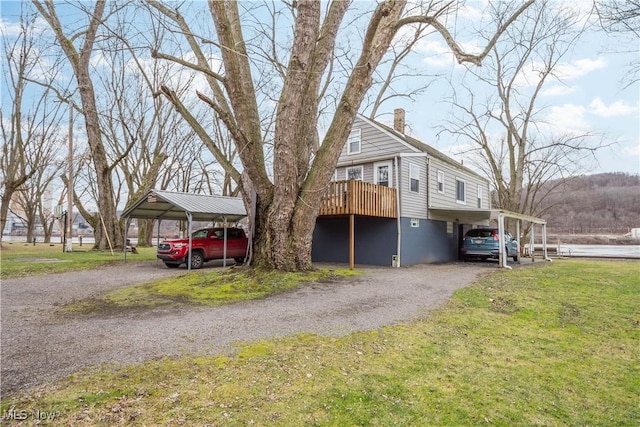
x=39, y=346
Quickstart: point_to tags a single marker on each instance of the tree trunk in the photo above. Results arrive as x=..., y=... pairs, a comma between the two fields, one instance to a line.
x=106, y=229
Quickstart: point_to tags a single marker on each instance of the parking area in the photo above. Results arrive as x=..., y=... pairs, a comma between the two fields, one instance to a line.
x=39, y=345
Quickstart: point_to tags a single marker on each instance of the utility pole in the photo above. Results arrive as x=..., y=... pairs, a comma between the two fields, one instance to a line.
x=69, y=221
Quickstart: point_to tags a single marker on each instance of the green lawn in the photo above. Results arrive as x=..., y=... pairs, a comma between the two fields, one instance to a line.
x=551, y=344
x=24, y=259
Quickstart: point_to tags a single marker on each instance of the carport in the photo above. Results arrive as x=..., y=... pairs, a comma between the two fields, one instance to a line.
x=501, y=215
x=482, y=215
x=159, y=205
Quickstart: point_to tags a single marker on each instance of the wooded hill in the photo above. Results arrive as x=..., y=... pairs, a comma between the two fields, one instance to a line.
x=607, y=204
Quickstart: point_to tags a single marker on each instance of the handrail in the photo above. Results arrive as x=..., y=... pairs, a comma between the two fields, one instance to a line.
x=359, y=198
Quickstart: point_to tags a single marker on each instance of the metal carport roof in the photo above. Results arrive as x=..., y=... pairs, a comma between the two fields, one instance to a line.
x=159, y=204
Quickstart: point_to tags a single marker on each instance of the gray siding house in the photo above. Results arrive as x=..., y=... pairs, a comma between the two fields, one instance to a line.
x=396, y=201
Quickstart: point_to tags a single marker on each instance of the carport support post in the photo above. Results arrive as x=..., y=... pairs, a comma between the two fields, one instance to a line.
x=518, y=238
x=224, y=243
x=190, y=240
x=502, y=258
x=158, y=234
x=126, y=233
x=351, y=241
x=544, y=242
x=532, y=245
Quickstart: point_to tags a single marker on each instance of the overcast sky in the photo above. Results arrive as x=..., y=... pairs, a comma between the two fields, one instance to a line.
x=593, y=96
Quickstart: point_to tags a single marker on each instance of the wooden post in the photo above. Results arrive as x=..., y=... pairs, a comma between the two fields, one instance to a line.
x=351, y=241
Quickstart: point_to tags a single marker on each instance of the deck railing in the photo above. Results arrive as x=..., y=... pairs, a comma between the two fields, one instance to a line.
x=359, y=198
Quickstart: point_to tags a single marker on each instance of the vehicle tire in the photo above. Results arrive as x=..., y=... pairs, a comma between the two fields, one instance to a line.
x=515, y=258
x=239, y=260
x=197, y=260
x=171, y=265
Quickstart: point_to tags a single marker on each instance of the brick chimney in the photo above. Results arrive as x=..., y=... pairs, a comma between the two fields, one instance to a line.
x=398, y=120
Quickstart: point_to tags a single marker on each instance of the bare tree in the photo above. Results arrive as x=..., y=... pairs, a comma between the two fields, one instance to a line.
x=394, y=72
x=619, y=16
x=287, y=198
x=34, y=197
x=506, y=131
x=78, y=48
x=29, y=134
x=622, y=18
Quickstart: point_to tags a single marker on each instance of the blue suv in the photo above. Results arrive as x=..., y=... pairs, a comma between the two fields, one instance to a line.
x=483, y=243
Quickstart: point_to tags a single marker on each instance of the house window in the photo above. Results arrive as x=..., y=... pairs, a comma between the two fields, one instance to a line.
x=382, y=174
x=479, y=196
x=441, y=182
x=414, y=178
x=354, y=172
x=460, y=191
x=354, y=142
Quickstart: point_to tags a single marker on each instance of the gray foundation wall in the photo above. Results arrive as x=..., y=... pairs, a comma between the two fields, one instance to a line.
x=376, y=241
x=430, y=242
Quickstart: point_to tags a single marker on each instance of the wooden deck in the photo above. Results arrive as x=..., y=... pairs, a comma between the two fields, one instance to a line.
x=359, y=198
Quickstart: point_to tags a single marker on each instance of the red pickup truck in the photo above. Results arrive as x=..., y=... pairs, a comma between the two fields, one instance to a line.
x=207, y=244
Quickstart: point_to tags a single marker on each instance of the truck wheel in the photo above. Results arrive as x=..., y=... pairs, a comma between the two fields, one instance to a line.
x=171, y=265
x=197, y=260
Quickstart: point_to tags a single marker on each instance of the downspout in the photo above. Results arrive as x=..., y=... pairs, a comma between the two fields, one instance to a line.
x=428, y=186
x=398, y=205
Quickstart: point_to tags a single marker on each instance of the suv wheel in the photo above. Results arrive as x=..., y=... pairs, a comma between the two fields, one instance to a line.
x=197, y=260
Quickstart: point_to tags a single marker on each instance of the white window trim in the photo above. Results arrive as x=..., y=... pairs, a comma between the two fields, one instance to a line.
x=355, y=167
x=375, y=172
x=480, y=195
x=461, y=202
x=440, y=174
x=416, y=168
x=353, y=132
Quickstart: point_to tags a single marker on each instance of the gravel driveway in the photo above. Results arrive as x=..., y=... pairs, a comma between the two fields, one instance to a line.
x=39, y=346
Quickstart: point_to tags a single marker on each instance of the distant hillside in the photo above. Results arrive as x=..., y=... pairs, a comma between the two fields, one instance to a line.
x=607, y=203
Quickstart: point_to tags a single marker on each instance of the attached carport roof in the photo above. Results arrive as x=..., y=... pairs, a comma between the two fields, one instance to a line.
x=477, y=215
x=158, y=204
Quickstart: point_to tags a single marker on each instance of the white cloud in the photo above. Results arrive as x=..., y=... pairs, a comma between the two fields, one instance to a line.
x=14, y=29
x=9, y=29
x=632, y=150
x=99, y=59
x=615, y=109
x=578, y=68
x=564, y=72
x=436, y=53
x=567, y=118
x=558, y=90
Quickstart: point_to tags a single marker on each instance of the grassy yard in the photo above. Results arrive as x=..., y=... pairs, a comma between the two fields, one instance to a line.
x=24, y=259
x=552, y=344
